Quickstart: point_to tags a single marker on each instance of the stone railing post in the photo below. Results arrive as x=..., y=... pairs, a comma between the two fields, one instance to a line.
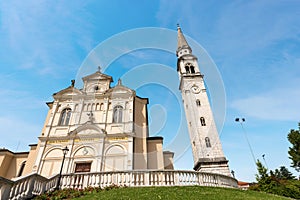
x=146, y=178
x=5, y=187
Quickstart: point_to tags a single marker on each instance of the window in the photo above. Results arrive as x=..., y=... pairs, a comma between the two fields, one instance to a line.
x=202, y=120
x=192, y=69
x=21, y=169
x=101, y=106
x=207, y=142
x=97, y=106
x=117, y=114
x=189, y=68
x=76, y=107
x=65, y=117
x=198, y=103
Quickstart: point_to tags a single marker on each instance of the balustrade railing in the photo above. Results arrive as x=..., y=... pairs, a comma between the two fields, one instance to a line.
x=34, y=184
x=146, y=178
x=26, y=187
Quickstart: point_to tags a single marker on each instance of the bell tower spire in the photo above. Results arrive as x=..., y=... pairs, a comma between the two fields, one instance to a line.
x=182, y=45
x=206, y=146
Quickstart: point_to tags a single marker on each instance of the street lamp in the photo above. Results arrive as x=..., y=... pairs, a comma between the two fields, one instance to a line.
x=263, y=156
x=232, y=172
x=65, y=151
x=241, y=121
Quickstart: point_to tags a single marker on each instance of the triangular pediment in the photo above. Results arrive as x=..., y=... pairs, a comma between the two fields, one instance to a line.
x=97, y=76
x=67, y=92
x=120, y=91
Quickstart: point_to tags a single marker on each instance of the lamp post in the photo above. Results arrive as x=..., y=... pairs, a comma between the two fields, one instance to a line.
x=241, y=121
x=232, y=172
x=65, y=151
x=263, y=156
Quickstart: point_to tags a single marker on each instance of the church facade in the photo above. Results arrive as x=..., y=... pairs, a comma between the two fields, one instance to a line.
x=105, y=128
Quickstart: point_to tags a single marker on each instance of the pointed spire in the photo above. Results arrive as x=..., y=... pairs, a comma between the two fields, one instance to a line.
x=182, y=43
x=119, y=82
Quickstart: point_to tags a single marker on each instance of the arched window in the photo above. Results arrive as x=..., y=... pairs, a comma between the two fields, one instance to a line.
x=21, y=169
x=118, y=113
x=198, y=103
x=97, y=106
x=202, y=120
x=101, y=106
x=65, y=117
x=192, y=69
x=207, y=142
x=187, y=69
x=76, y=107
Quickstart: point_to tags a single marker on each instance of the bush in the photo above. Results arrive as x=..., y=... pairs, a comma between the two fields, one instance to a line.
x=69, y=193
x=274, y=184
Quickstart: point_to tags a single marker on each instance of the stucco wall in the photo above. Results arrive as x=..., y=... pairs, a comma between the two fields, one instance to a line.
x=141, y=133
x=155, y=153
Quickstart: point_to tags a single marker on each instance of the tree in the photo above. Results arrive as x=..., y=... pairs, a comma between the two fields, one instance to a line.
x=262, y=172
x=265, y=182
x=282, y=173
x=272, y=184
x=294, y=150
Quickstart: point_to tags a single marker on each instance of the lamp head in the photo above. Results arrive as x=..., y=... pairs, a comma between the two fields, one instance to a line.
x=65, y=150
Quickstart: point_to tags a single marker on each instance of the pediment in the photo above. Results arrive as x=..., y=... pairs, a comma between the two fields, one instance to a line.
x=88, y=129
x=120, y=89
x=97, y=76
x=67, y=92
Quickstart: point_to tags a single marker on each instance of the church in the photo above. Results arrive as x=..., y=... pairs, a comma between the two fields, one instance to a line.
x=104, y=127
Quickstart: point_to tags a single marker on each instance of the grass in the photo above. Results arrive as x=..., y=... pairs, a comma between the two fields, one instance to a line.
x=184, y=192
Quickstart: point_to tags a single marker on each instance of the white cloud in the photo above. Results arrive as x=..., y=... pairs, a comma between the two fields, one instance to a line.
x=279, y=104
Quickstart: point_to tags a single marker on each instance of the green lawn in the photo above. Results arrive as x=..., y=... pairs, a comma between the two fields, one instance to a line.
x=184, y=192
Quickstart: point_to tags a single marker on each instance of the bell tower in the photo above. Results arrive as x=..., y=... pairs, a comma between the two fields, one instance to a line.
x=206, y=147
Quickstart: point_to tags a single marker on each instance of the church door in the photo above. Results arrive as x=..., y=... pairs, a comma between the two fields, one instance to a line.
x=80, y=168
x=83, y=167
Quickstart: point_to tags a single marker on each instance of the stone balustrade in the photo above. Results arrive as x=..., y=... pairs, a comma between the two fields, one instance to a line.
x=146, y=178
x=26, y=187
x=34, y=184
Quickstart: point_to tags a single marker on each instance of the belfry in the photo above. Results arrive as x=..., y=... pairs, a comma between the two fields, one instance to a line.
x=206, y=147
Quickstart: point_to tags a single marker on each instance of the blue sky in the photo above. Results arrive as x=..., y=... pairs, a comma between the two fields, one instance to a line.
x=254, y=44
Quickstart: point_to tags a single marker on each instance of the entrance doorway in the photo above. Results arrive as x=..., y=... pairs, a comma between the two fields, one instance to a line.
x=83, y=167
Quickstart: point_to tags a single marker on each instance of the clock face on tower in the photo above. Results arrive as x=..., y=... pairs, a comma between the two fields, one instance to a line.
x=195, y=89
